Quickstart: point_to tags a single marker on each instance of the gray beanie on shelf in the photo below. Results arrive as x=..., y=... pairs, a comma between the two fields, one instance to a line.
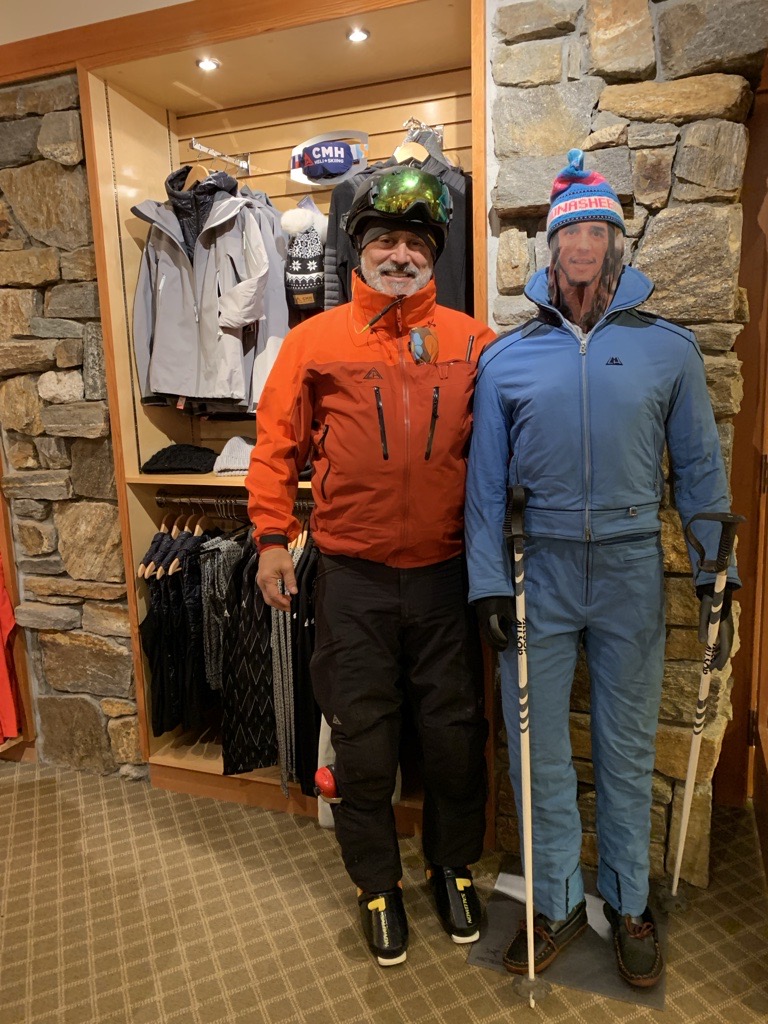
x=235, y=457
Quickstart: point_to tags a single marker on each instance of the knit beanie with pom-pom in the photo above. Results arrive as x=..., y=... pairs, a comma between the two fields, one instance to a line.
x=582, y=195
x=304, y=271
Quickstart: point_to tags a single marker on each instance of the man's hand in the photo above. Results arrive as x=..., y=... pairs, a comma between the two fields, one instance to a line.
x=705, y=593
x=496, y=617
x=276, y=566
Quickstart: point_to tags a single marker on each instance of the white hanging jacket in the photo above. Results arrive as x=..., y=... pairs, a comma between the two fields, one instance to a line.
x=189, y=314
x=273, y=325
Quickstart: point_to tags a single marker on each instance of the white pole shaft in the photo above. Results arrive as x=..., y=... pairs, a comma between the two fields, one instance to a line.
x=525, y=752
x=713, y=629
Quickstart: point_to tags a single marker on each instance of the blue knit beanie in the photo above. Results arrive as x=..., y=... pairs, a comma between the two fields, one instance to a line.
x=581, y=195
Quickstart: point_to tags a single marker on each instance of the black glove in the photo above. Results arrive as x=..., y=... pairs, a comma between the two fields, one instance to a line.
x=705, y=593
x=496, y=617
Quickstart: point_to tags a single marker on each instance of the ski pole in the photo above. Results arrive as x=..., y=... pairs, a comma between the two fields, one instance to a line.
x=513, y=532
x=719, y=565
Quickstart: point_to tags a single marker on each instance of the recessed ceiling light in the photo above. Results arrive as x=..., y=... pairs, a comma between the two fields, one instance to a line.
x=208, y=64
x=357, y=35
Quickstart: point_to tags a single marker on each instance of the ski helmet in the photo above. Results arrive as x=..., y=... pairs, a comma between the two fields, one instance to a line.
x=405, y=196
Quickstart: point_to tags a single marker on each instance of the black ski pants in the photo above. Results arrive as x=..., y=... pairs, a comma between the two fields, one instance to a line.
x=384, y=636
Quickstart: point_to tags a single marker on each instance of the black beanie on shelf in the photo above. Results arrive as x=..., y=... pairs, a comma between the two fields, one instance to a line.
x=181, y=458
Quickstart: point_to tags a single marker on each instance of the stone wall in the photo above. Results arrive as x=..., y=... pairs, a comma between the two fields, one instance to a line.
x=657, y=94
x=58, y=474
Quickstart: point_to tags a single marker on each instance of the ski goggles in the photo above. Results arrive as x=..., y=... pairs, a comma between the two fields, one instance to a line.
x=401, y=191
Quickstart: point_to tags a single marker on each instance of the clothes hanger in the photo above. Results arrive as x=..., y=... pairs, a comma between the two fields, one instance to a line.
x=196, y=525
x=421, y=141
x=197, y=172
x=411, y=151
x=202, y=524
x=185, y=528
x=175, y=530
x=301, y=537
x=432, y=140
x=164, y=527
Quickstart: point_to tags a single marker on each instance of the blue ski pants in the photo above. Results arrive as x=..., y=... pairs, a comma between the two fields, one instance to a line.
x=609, y=596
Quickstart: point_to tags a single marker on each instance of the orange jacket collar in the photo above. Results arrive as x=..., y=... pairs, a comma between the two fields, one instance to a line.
x=367, y=303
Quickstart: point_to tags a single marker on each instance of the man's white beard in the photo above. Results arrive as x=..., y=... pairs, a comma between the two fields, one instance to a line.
x=378, y=280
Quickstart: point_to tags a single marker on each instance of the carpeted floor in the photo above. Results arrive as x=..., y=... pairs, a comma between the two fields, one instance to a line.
x=122, y=904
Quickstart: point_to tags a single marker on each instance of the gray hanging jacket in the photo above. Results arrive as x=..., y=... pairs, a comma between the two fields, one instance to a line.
x=273, y=325
x=190, y=313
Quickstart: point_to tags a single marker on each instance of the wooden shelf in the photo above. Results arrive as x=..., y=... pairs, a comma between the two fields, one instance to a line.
x=189, y=764
x=203, y=754
x=195, y=480
x=186, y=480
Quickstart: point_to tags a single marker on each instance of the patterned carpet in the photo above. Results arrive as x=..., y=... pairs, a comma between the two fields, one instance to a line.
x=121, y=904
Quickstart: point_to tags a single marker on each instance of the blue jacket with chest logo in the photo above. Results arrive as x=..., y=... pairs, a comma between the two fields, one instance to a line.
x=580, y=421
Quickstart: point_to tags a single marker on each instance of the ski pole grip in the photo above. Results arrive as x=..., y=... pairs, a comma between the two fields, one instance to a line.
x=513, y=518
x=727, y=540
x=728, y=525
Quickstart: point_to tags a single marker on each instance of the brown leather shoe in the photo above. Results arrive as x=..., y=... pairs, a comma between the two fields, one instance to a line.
x=550, y=937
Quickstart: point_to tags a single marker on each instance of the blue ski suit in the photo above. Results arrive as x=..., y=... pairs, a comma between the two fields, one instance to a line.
x=580, y=421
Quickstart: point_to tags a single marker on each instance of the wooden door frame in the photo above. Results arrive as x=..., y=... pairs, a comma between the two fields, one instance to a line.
x=737, y=775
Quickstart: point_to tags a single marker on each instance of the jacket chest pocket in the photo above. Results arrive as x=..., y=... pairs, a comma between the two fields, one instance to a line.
x=445, y=403
x=379, y=400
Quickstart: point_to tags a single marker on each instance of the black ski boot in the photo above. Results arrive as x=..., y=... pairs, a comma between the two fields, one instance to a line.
x=385, y=925
x=457, y=902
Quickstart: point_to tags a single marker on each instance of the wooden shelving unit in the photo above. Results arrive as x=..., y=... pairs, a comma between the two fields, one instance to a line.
x=132, y=145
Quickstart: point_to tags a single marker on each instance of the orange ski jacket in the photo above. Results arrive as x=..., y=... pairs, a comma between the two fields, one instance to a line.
x=388, y=435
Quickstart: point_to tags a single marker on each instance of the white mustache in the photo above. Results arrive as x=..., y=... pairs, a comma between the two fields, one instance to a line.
x=397, y=268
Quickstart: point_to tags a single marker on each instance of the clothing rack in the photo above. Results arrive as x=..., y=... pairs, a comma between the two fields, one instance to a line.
x=241, y=160
x=222, y=507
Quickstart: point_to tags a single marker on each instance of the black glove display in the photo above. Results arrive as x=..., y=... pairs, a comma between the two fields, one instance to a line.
x=705, y=594
x=496, y=617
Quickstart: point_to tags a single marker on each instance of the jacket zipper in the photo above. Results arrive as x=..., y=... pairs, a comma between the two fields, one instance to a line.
x=402, y=346
x=382, y=426
x=321, y=447
x=432, y=422
x=583, y=342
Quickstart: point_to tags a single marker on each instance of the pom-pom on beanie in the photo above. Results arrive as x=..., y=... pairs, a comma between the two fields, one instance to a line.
x=579, y=195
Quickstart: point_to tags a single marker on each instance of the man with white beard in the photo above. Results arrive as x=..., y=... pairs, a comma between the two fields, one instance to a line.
x=377, y=392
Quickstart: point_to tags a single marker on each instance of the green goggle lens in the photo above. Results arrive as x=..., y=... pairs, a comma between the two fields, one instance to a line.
x=398, y=193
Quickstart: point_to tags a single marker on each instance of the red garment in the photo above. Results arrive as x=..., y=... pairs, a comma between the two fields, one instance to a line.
x=9, y=715
x=389, y=435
